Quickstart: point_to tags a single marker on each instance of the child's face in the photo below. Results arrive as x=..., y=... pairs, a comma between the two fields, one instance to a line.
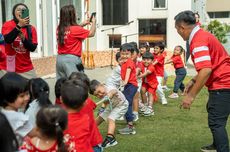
x=134, y=56
x=177, y=51
x=147, y=62
x=100, y=91
x=157, y=50
x=125, y=55
x=26, y=98
x=19, y=102
x=120, y=61
x=143, y=50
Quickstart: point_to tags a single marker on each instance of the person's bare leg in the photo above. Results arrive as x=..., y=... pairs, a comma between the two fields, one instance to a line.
x=99, y=120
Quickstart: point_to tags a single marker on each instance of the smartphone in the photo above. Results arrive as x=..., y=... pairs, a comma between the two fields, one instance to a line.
x=25, y=13
x=91, y=17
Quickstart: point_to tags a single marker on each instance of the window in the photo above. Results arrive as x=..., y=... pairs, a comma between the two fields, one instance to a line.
x=152, y=27
x=115, y=12
x=225, y=14
x=115, y=40
x=159, y=4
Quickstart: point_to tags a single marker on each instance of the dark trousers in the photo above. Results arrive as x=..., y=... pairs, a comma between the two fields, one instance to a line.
x=129, y=92
x=187, y=55
x=218, y=108
x=178, y=82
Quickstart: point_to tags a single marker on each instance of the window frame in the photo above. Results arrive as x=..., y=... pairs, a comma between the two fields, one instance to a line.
x=161, y=8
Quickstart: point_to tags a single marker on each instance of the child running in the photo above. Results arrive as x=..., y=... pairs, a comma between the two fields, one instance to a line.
x=51, y=122
x=149, y=82
x=129, y=80
x=116, y=107
x=179, y=70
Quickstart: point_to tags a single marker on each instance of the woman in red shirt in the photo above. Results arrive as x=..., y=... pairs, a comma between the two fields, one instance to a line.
x=20, y=39
x=70, y=36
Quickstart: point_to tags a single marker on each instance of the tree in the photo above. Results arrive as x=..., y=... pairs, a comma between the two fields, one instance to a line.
x=219, y=30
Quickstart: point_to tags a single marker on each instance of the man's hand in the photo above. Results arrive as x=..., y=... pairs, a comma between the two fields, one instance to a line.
x=187, y=101
x=188, y=87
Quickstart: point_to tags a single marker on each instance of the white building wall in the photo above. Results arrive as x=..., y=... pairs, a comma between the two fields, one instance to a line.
x=139, y=9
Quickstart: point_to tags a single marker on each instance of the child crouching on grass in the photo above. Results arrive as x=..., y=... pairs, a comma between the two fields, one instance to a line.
x=149, y=82
x=179, y=70
x=116, y=107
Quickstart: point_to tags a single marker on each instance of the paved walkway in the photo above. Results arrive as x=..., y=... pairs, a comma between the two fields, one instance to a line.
x=101, y=74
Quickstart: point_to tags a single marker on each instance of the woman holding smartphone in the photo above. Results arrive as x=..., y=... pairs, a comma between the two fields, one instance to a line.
x=70, y=36
x=20, y=39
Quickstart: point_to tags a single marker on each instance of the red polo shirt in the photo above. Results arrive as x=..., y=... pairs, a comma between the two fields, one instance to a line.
x=177, y=61
x=208, y=52
x=2, y=57
x=150, y=79
x=73, y=41
x=132, y=78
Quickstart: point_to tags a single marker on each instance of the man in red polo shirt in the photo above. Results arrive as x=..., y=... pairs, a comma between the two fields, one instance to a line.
x=213, y=66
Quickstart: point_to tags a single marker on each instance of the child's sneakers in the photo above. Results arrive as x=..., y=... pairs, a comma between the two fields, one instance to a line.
x=149, y=112
x=128, y=130
x=109, y=141
x=173, y=96
x=164, y=101
x=135, y=116
x=165, y=88
x=143, y=109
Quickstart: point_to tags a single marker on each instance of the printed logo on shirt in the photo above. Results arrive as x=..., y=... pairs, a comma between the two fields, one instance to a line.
x=17, y=45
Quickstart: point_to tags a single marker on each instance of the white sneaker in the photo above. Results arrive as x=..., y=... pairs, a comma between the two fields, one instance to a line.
x=173, y=96
x=149, y=112
x=165, y=88
x=143, y=109
x=135, y=116
x=164, y=101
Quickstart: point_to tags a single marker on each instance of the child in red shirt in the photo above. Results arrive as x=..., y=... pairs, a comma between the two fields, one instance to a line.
x=159, y=66
x=51, y=121
x=180, y=71
x=73, y=96
x=129, y=80
x=149, y=82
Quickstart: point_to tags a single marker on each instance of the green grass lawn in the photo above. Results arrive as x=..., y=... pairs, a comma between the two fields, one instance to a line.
x=171, y=129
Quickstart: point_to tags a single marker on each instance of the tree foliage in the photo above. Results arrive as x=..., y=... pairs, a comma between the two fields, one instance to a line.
x=219, y=30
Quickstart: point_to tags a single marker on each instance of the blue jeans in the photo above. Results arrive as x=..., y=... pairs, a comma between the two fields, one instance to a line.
x=178, y=82
x=129, y=92
x=218, y=108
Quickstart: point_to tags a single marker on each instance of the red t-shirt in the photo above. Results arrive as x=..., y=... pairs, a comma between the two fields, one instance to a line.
x=150, y=79
x=132, y=78
x=2, y=57
x=160, y=64
x=95, y=135
x=177, y=61
x=23, y=61
x=207, y=52
x=79, y=129
x=73, y=41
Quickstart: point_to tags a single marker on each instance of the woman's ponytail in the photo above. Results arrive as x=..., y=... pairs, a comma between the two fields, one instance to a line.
x=60, y=139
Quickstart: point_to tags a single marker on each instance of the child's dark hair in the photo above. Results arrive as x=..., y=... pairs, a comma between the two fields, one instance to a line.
x=147, y=55
x=93, y=86
x=127, y=47
x=134, y=44
x=161, y=46
x=74, y=93
x=181, y=49
x=118, y=56
x=8, y=140
x=12, y=85
x=57, y=87
x=52, y=121
x=81, y=77
x=39, y=89
x=196, y=13
x=144, y=45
